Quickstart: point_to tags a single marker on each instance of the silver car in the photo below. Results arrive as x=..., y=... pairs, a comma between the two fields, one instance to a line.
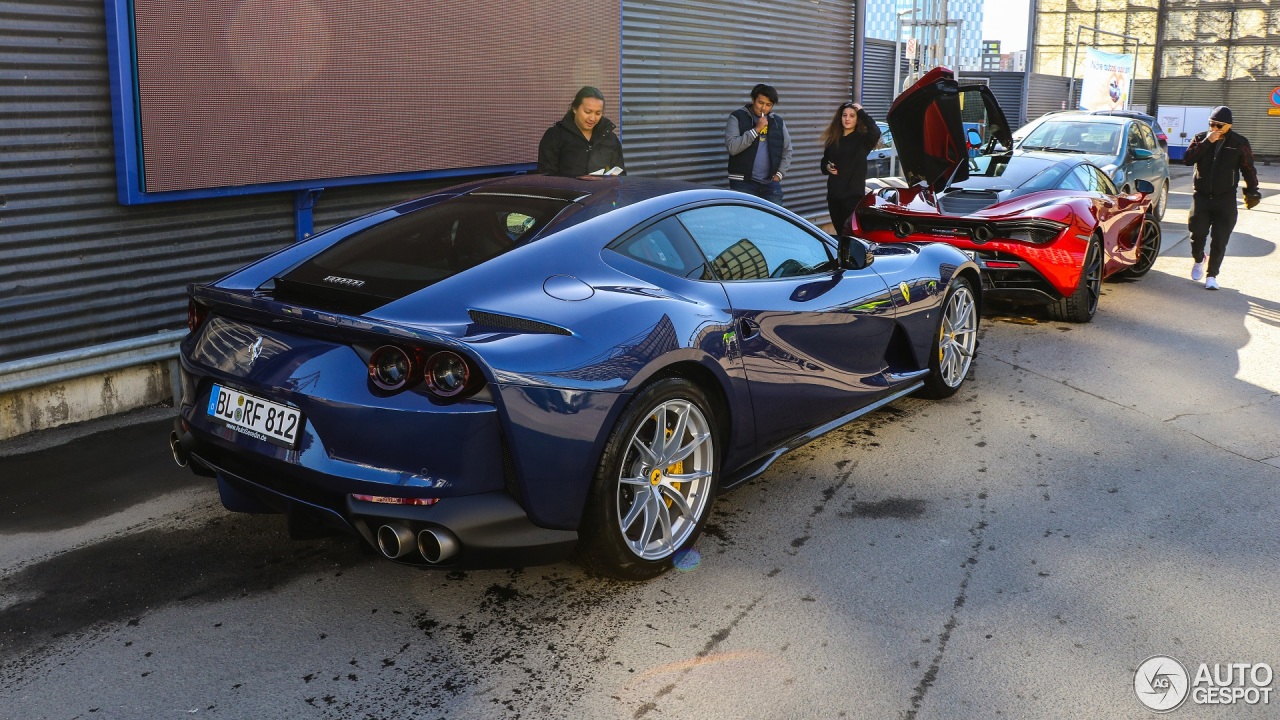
x=1125, y=148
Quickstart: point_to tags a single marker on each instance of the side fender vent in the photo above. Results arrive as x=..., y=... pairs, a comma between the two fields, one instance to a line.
x=519, y=324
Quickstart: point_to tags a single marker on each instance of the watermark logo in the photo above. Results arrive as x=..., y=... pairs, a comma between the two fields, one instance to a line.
x=1161, y=683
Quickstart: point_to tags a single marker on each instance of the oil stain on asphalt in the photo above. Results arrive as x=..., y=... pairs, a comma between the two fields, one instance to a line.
x=98, y=588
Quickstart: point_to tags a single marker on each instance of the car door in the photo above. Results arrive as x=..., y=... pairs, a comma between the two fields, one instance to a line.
x=1119, y=217
x=1144, y=168
x=812, y=337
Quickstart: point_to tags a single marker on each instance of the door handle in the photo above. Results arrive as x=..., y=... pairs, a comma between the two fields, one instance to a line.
x=748, y=328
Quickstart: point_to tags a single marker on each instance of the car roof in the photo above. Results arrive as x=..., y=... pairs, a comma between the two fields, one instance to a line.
x=1125, y=113
x=1086, y=116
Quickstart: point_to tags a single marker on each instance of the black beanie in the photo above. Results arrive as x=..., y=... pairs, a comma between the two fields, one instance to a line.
x=1221, y=114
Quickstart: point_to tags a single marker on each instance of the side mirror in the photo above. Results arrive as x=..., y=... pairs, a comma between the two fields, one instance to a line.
x=974, y=138
x=855, y=253
x=1142, y=154
x=1144, y=186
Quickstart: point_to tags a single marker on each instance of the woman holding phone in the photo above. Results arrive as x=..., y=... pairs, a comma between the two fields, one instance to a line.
x=848, y=139
x=583, y=143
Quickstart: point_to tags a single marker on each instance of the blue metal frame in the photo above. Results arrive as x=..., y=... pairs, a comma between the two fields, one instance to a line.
x=130, y=171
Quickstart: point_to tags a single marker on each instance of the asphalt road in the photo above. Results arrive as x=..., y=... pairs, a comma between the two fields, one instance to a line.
x=1095, y=495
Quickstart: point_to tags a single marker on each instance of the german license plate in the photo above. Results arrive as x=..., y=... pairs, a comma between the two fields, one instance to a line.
x=255, y=417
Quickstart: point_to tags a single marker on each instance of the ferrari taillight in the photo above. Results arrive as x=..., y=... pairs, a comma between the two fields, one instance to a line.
x=447, y=374
x=390, y=368
x=195, y=314
x=444, y=373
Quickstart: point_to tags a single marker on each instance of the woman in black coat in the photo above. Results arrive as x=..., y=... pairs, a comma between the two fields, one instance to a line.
x=583, y=142
x=850, y=137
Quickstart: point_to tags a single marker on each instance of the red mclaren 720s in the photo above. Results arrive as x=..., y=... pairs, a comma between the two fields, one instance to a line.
x=1044, y=227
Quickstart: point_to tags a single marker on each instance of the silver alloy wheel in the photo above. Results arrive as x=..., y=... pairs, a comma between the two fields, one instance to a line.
x=1162, y=200
x=958, y=337
x=665, y=481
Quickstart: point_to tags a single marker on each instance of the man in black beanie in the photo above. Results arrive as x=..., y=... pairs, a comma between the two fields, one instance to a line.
x=1220, y=157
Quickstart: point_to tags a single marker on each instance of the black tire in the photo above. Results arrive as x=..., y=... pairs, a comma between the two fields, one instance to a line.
x=954, y=343
x=1081, y=305
x=1148, y=250
x=628, y=477
x=1161, y=203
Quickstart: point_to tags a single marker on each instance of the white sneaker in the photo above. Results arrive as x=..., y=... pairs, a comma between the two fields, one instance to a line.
x=1197, y=271
x=1211, y=283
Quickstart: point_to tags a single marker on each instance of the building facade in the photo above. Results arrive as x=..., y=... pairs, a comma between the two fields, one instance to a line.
x=882, y=17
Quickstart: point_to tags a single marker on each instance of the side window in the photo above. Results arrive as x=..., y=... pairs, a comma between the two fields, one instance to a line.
x=1135, y=138
x=1074, y=180
x=666, y=246
x=1149, y=138
x=744, y=243
x=886, y=140
x=1104, y=184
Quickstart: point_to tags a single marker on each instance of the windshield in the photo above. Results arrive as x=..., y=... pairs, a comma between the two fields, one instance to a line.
x=1077, y=136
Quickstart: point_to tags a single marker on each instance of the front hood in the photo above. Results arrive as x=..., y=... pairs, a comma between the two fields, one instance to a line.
x=928, y=120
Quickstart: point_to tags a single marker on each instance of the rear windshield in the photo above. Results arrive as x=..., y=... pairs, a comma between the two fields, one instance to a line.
x=403, y=255
x=1006, y=172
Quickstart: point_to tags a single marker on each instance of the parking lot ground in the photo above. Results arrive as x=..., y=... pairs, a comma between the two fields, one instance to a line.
x=1095, y=495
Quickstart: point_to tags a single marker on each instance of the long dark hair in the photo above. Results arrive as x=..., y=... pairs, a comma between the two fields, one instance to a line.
x=586, y=92
x=835, y=130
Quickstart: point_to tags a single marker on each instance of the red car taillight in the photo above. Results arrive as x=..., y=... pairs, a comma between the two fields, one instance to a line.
x=195, y=314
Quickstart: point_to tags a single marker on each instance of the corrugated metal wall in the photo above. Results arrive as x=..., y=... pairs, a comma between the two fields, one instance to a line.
x=1007, y=87
x=686, y=66
x=877, y=78
x=1046, y=93
x=76, y=268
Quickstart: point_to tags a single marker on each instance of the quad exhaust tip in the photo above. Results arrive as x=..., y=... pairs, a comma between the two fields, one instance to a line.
x=395, y=541
x=437, y=545
x=180, y=455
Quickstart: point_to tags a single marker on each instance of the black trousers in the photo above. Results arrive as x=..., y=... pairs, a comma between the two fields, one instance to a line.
x=1211, y=217
x=840, y=211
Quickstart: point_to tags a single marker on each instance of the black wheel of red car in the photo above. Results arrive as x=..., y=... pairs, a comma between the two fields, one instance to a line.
x=1148, y=250
x=955, y=343
x=1081, y=305
x=655, y=484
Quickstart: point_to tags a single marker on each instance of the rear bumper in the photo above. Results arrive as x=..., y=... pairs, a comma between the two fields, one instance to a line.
x=491, y=528
x=1023, y=284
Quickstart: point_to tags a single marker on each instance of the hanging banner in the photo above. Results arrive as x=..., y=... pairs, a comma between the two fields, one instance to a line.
x=1105, y=84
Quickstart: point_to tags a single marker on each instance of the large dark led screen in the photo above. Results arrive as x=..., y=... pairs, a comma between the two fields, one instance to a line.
x=241, y=92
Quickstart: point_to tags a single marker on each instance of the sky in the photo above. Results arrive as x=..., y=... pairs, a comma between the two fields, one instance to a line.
x=1006, y=21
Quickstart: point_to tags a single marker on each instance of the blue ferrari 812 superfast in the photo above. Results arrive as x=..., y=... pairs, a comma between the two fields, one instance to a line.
x=514, y=370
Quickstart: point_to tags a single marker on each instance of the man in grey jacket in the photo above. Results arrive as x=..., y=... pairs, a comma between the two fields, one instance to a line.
x=759, y=146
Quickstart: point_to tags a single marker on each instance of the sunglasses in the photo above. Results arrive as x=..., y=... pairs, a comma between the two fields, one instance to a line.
x=1217, y=124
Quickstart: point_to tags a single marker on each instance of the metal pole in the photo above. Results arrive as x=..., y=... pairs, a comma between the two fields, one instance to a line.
x=859, y=47
x=1075, y=57
x=1157, y=59
x=1032, y=9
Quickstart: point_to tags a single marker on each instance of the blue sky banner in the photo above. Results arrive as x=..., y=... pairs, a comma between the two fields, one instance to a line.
x=1106, y=79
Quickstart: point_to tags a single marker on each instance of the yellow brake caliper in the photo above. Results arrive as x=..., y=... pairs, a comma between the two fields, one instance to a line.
x=676, y=469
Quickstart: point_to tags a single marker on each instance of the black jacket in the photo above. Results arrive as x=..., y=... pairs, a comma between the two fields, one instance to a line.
x=849, y=154
x=1219, y=165
x=565, y=151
